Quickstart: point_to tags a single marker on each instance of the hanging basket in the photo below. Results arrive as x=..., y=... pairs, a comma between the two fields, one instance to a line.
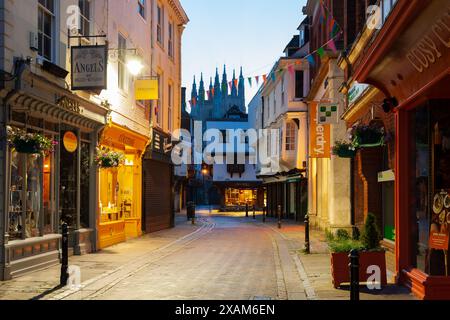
x=27, y=147
x=345, y=153
x=107, y=159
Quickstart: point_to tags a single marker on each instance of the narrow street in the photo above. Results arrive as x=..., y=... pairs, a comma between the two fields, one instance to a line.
x=228, y=257
x=225, y=256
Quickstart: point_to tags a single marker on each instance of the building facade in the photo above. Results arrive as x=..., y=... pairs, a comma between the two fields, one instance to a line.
x=408, y=86
x=167, y=25
x=40, y=191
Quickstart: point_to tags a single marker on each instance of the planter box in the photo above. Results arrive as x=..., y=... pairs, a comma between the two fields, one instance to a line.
x=340, y=269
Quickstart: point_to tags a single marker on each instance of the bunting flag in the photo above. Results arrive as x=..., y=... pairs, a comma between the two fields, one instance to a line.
x=311, y=61
x=230, y=84
x=321, y=52
x=250, y=82
x=213, y=91
x=274, y=78
x=235, y=83
x=257, y=80
x=265, y=78
x=332, y=45
x=291, y=70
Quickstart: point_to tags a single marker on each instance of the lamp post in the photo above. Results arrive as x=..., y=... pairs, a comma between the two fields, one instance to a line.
x=205, y=172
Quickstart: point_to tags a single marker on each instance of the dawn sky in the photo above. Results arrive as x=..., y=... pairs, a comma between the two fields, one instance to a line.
x=247, y=33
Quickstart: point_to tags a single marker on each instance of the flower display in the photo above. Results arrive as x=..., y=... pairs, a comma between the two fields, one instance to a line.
x=107, y=158
x=367, y=135
x=344, y=149
x=30, y=143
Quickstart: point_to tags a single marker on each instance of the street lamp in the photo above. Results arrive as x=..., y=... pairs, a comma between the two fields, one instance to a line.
x=205, y=172
x=133, y=60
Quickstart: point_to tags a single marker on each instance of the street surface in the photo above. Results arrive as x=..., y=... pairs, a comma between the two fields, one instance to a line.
x=223, y=257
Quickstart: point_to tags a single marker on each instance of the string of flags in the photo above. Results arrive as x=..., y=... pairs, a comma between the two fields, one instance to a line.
x=334, y=31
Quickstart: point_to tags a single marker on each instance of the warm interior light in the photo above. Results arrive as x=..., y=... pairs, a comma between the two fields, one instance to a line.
x=135, y=66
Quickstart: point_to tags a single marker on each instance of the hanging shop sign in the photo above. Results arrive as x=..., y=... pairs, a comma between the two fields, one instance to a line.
x=356, y=91
x=146, y=90
x=328, y=113
x=89, y=67
x=320, y=136
x=70, y=142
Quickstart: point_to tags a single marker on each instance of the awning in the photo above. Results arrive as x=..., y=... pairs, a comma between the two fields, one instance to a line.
x=119, y=137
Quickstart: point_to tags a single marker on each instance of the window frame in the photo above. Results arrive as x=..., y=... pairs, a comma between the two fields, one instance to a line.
x=290, y=137
x=49, y=12
x=160, y=24
x=170, y=41
x=84, y=18
x=142, y=8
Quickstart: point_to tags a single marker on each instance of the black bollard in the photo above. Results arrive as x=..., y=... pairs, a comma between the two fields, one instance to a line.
x=307, y=243
x=246, y=210
x=254, y=212
x=279, y=216
x=65, y=255
x=354, y=275
x=264, y=214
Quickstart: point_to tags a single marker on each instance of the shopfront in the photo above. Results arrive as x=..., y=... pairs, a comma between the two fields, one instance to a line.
x=158, y=182
x=47, y=188
x=120, y=188
x=417, y=75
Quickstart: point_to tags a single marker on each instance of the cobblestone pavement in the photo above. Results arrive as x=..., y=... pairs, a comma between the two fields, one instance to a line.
x=225, y=256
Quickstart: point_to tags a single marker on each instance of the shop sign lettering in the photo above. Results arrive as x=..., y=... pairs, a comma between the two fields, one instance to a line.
x=439, y=241
x=427, y=51
x=320, y=136
x=89, y=71
x=127, y=140
x=68, y=104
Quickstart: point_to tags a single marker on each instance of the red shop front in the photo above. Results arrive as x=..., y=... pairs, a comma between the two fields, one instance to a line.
x=409, y=61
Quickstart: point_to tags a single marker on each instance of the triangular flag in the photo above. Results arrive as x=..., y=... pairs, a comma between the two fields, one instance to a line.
x=321, y=52
x=235, y=82
x=332, y=46
x=291, y=70
x=257, y=80
x=311, y=61
x=265, y=77
x=331, y=25
x=334, y=30
x=274, y=77
x=230, y=84
x=250, y=82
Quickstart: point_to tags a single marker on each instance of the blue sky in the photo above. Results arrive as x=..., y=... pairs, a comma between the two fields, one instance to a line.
x=247, y=33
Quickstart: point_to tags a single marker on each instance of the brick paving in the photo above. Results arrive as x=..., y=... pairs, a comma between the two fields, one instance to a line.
x=225, y=256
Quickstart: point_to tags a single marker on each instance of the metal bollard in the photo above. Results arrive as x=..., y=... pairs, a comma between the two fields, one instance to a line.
x=254, y=212
x=354, y=275
x=307, y=243
x=65, y=255
x=246, y=210
x=279, y=216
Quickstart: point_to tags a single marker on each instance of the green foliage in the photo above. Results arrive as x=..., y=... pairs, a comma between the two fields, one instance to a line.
x=342, y=234
x=344, y=246
x=342, y=242
x=371, y=236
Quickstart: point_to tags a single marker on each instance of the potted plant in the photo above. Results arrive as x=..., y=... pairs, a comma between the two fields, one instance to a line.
x=30, y=143
x=370, y=136
x=371, y=254
x=343, y=149
x=106, y=158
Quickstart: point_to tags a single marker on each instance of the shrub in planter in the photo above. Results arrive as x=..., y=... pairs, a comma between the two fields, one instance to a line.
x=370, y=254
x=344, y=149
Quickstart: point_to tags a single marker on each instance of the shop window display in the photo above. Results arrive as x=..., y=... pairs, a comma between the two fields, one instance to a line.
x=116, y=192
x=30, y=203
x=432, y=188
